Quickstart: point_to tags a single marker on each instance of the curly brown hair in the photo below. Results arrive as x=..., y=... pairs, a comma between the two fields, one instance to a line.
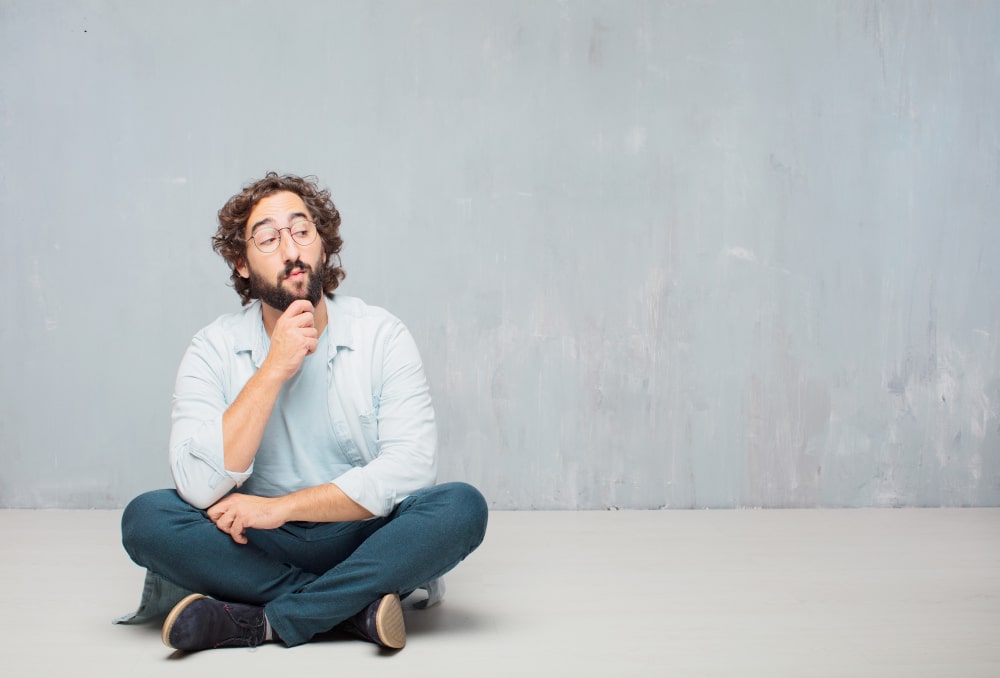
x=229, y=240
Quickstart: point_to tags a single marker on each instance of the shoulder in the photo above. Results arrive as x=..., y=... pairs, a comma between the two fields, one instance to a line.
x=360, y=314
x=232, y=330
x=356, y=309
x=363, y=326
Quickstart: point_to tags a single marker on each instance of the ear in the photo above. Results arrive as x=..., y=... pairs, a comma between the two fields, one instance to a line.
x=241, y=268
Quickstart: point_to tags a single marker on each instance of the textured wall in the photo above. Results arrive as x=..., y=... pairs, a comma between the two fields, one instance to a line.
x=655, y=254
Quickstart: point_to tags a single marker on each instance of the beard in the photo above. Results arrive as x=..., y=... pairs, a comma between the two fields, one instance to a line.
x=279, y=297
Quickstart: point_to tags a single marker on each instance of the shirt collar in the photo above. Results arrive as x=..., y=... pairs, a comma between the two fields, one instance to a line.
x=338, y=327
x=250, y=335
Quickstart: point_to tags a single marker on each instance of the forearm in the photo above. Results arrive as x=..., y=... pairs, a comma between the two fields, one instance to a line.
x=243, y=423
x=236, y=513
x=321, y=504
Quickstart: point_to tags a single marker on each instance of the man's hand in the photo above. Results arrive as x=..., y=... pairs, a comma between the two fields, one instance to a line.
x=234, y=513
x=293, y=338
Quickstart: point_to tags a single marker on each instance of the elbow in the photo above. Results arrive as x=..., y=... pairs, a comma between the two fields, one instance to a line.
x=199, y=484
x=197, y=497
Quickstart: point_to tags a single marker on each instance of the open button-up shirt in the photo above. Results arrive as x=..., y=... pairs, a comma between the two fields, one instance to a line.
x=381, y=426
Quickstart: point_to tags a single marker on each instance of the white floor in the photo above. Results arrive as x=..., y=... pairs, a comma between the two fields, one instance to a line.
x=905, y=592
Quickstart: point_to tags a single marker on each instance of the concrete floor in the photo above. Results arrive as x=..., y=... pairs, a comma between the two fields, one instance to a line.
x=881, y=592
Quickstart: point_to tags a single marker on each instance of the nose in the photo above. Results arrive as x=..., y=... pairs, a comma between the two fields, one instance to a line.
x=289, y=248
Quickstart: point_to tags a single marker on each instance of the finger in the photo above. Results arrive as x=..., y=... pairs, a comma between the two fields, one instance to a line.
x=215, y=515
x=238, y=531
x=301, y=321
x=298, y=307
x=215, y=511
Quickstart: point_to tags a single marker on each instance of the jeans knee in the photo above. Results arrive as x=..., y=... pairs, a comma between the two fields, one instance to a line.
x=470, y=505
x=141, y=516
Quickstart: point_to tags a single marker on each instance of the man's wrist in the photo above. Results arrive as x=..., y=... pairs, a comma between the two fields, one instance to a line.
x=269, y=376
x=280, y=509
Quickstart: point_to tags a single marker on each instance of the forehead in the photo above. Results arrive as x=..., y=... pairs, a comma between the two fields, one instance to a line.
x=277, y=209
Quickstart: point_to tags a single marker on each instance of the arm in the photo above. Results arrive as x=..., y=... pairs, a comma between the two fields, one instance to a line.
x=321, y=504
x=293, y=338
x=213, y=445
x=405, y=462
x=402, y=442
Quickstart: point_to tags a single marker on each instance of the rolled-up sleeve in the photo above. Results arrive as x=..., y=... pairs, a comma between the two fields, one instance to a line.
x=403, y=456
x=196, y=446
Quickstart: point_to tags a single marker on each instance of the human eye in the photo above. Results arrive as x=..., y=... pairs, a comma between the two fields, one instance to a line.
x=301, y=229
x=266, y=237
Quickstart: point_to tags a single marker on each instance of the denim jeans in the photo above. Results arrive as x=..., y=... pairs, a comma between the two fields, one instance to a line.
x=308, y=576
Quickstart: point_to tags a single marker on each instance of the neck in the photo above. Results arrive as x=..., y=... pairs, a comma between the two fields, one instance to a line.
x=272, y=314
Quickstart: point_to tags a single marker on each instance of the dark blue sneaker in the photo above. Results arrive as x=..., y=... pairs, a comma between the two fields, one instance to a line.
x=201, y=623
x=381, y=623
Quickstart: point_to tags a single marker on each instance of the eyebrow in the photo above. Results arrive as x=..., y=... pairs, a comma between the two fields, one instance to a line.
x=268, y=221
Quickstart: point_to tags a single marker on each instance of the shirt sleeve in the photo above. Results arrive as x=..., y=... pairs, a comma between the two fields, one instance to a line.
x=406, y=433
x=197, y=461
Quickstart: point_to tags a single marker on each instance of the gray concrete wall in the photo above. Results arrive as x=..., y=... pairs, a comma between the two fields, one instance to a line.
x=656, y=254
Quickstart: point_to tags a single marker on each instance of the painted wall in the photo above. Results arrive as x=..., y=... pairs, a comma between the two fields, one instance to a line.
x=656, y=254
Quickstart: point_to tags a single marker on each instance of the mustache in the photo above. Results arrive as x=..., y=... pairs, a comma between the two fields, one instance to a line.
x=291, y=266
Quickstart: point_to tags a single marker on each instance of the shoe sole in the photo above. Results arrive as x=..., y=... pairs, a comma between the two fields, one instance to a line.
x=389, y=622
x=168, y=625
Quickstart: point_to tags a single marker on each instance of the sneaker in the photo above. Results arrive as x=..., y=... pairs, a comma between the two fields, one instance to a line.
x=202, y=623
x=381, y=623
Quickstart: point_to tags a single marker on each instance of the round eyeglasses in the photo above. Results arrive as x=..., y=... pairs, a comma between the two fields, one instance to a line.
x=268, y=238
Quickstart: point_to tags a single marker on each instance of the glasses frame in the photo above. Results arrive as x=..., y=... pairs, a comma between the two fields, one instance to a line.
x=280, y=236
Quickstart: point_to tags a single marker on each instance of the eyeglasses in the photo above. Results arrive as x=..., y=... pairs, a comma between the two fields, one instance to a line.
x=267, y=239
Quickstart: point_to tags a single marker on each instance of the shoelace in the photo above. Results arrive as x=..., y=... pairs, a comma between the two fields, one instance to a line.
x=250, y=632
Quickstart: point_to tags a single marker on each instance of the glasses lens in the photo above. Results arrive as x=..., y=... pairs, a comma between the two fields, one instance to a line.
x=266, y=239
x=303, y=232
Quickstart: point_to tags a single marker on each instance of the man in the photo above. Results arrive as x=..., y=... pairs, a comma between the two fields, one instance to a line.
x=303, y=450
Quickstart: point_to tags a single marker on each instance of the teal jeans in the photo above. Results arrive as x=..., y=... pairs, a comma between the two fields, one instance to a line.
x=308, y=576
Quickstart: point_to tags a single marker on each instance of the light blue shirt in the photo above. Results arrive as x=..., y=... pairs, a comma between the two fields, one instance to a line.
x=299, y=427
x=374, y=437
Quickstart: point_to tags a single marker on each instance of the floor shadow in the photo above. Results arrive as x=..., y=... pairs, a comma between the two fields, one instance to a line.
x=447, y=617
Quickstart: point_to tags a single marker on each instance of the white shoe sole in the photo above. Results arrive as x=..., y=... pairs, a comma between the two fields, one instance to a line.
x=389, y=622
